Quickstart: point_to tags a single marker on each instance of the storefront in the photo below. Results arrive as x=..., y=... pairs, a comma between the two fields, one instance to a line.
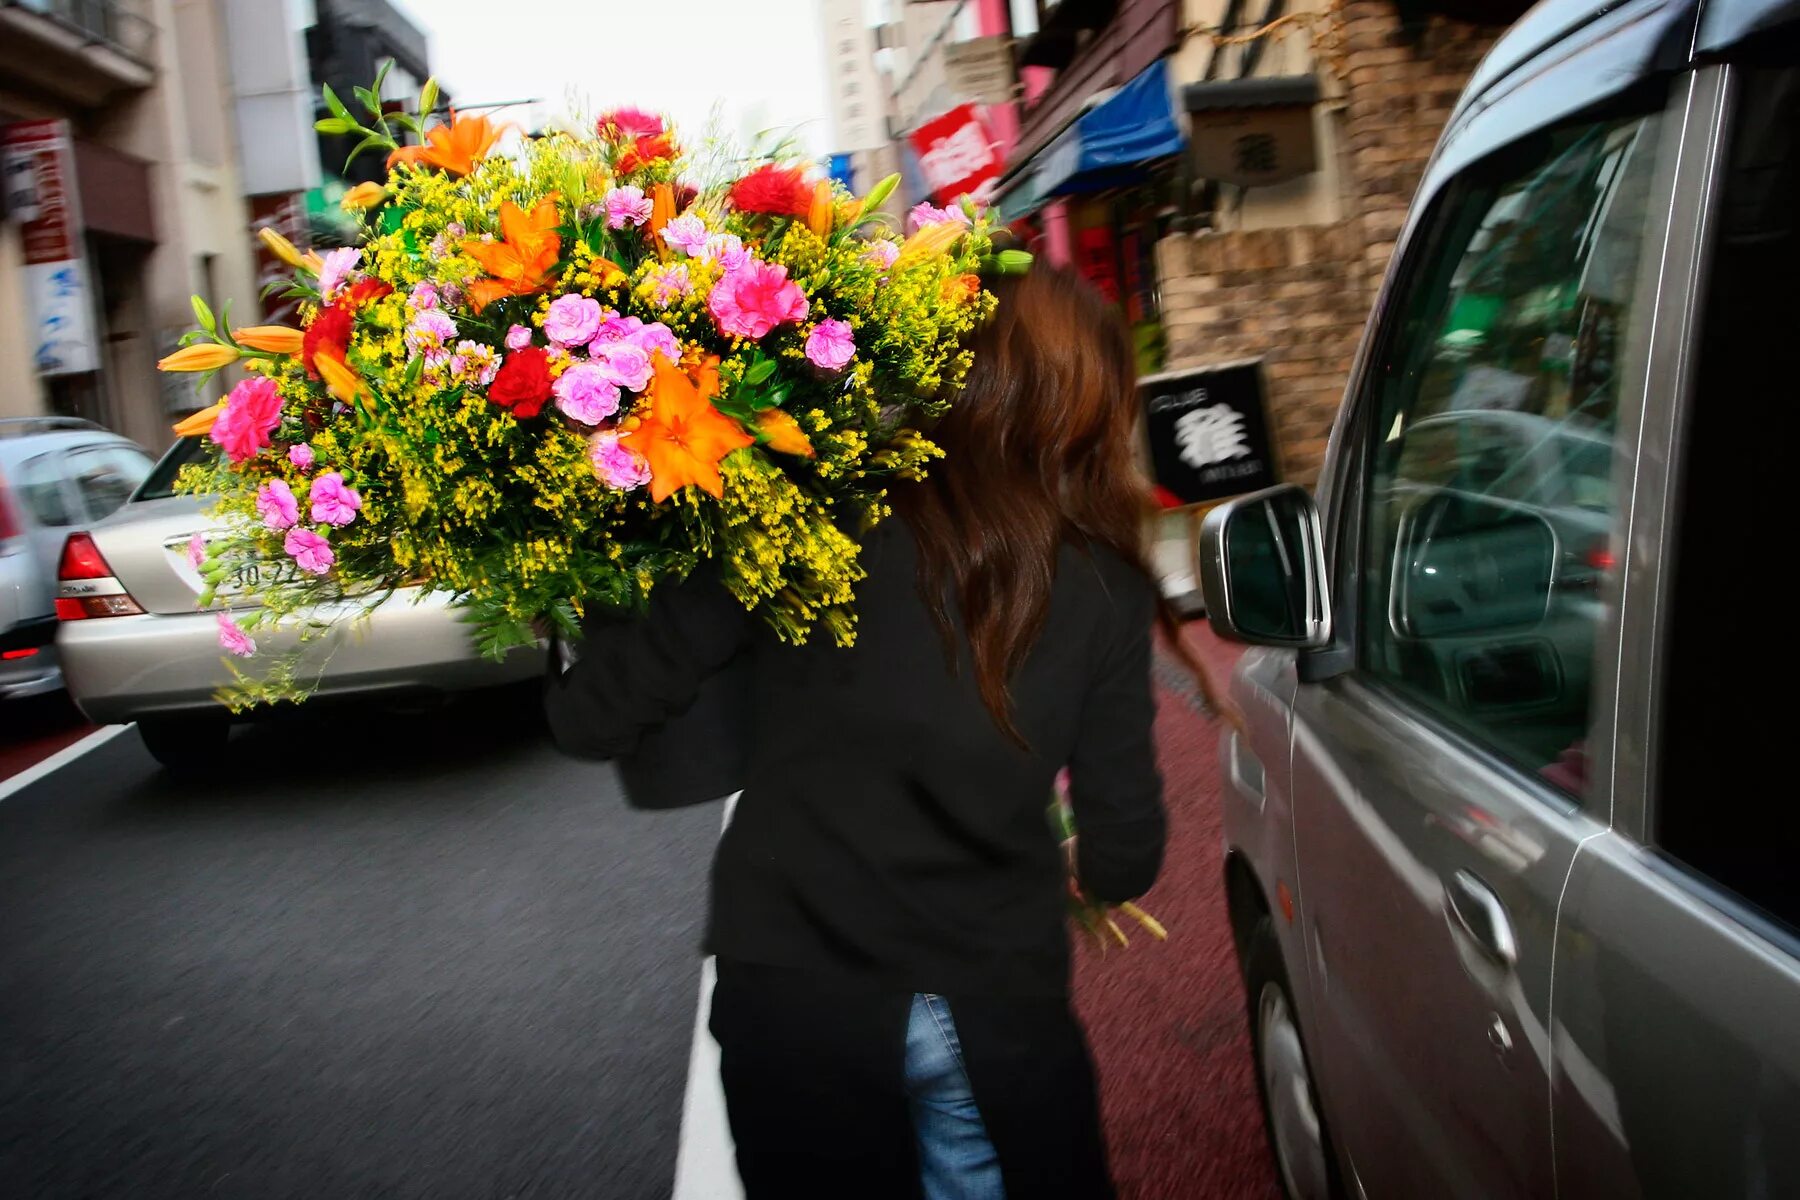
x=1098, y=198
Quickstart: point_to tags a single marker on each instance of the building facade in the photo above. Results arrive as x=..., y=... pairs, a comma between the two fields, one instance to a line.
x=124, y=198
x=1284, y=272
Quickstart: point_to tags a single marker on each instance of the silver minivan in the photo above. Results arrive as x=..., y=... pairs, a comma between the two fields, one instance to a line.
x=1510, y=851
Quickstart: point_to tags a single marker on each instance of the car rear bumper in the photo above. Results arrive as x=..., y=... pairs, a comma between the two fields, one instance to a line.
x=121, y=668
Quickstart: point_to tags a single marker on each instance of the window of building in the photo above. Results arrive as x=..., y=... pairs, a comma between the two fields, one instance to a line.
x=1490, y=505
x=1720, y=804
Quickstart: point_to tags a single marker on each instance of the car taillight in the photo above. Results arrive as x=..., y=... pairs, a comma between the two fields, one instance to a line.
x=9, y=522
x=86, y=586
x=1600, y=557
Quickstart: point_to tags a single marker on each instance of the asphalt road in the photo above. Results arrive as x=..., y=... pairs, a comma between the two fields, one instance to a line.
x=374, y=954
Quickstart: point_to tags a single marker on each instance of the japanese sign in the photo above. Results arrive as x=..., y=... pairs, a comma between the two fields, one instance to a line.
x=1252, y=147
x=1208, y=432
x=858, y=118
x=981, y=70
x=39, y=167
x=957, y=154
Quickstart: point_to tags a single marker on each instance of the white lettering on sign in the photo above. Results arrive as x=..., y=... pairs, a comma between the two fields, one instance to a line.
x=957, y=157
x=1176, y=401
x=1211, y=435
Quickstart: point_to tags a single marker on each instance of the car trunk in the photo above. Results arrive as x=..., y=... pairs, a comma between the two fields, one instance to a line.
x=146, y=544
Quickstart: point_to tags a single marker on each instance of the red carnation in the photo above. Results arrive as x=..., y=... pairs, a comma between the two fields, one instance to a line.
x=523, y=383
x=772, y=189
x=645, y=151
x=329, y=334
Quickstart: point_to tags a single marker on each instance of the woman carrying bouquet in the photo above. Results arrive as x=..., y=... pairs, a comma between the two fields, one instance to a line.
x=889, y=901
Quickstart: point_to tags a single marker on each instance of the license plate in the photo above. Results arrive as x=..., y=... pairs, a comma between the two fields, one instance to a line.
x=254, y=577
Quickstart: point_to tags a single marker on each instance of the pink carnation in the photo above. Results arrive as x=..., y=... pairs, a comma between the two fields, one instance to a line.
x=252, y=411
x=629, y=122
x=276, y=505
x=475, y=362
x=627, y=206
x=726, y=249
x=424, y=295
x=686, y=233
x=196, y=551
x=301, y=455
x=233, y=639
x=754, y=299
x=656, y=338
x=668, y=283
x=309, y=551
x=334, y=271
x=624, y=363
x=830, y=344
x=333, y=501
x=518, y=337
x=586, y=393
x=882, y=253
x=617, y=465
x=571, y=321
x=926, y=213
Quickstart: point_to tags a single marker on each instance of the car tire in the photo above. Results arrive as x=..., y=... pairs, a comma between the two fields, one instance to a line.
x=185, y=745
x=1305, y=1161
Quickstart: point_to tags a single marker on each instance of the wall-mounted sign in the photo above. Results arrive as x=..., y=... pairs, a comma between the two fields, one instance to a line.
x=1252, y=132
x=957, y=155
x=1209, y=432
x=980, y=70
x=63, y=337
x=858, y=116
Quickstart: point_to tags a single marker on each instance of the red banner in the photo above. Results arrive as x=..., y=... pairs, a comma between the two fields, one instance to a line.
x=957, y=155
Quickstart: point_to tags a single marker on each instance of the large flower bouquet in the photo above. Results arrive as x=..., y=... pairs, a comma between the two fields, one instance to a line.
x=549, y=378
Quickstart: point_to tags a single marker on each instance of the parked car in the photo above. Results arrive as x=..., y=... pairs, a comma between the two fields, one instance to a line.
x=1509, y=859
x=136, y=647
x=56, y=474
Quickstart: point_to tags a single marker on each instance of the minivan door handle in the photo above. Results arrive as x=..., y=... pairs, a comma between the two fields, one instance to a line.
x=1475, y=907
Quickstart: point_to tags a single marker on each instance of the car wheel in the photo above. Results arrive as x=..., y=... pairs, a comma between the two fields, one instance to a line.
x=186, y=744
x=1298, y=1136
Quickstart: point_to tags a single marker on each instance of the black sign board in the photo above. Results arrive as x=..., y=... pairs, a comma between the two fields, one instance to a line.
x=1209, y=432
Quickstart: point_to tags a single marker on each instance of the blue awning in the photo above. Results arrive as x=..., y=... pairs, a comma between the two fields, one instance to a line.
x=1111, y=144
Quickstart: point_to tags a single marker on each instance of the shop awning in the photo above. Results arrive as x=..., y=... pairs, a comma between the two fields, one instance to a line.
x=1111, y=144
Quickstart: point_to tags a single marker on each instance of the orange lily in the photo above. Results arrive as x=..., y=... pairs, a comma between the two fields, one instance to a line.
x=202, y=356
x=662, y=211
x=197, y=423
x=521, y=262
x=783, y=433
x=271, y=339
x=684, y=438
x=456, y=147
x=364, y=195
x=340, y=380
x=820, y=214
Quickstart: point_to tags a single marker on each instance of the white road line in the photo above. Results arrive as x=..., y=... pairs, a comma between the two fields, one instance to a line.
x=706, y=1163
x=60, y=759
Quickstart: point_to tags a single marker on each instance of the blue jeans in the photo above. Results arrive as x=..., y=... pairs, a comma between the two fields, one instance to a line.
x=956, y=1159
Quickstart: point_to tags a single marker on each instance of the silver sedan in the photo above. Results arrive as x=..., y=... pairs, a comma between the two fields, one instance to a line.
x=136, y=647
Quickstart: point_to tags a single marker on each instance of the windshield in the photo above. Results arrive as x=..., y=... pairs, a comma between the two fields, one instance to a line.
x=160, y=484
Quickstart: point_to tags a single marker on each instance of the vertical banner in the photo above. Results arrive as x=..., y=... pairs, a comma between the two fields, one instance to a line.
x=957, y=155
x=40, y=180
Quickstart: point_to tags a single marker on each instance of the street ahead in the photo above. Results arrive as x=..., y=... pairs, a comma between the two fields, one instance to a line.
x=373, y=955
x=425, y=955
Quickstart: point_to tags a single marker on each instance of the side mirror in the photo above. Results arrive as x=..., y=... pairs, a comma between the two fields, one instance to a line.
x=1467, y=564
x=1262, y=569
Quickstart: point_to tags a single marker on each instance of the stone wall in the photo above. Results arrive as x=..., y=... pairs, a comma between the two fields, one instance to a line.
x=1290, y=297
x=1298, y=297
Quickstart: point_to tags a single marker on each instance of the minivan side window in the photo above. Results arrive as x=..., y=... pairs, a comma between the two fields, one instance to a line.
x=1721, y=799
x=1490, y=505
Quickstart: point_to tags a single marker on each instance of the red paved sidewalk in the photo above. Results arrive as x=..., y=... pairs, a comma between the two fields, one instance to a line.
x=1167, y=1020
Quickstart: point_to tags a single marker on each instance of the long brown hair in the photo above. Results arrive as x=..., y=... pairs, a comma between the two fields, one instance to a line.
x=1039, y=451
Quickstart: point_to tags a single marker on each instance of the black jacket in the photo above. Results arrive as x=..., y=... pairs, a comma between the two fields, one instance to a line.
x=888, y=832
